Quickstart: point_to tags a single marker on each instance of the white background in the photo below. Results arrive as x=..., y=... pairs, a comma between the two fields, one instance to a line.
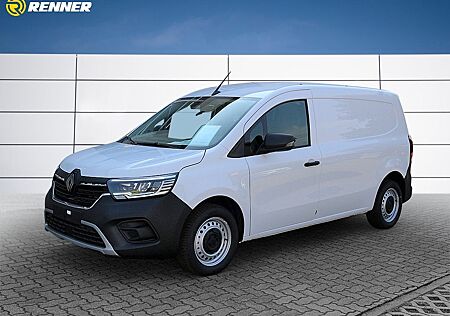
x=53, y=105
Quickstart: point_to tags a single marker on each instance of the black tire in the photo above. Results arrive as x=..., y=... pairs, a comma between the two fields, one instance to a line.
x=382, y=218
x=216, y=216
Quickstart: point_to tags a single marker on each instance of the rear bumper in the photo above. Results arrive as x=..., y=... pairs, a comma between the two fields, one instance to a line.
x=165, y=215
x=408, y=187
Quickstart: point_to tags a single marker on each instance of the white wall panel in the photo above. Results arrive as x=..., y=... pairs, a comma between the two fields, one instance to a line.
x=435, y=186
x=31, y=161
x=153, y=67
x=18, y=66
x=429, y=128
x=100, y=128
x=24, y=186
x=36, y=128
x=133, y=96
x=415, y=67
x=83, y=147
x=421, y=96
x=304, y=67
x=145, y=83
x=431, y=161
x=27, y=95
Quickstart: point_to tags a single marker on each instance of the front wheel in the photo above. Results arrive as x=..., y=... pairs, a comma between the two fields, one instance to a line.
x=388, y=206
x=209, y=240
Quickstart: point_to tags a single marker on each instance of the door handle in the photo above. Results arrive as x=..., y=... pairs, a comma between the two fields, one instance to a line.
x=312, y=163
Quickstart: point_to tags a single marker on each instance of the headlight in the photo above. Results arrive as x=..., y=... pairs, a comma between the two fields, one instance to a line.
x=122, y=189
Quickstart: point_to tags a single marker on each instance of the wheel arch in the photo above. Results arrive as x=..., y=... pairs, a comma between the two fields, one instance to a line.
x=395, y=176
x=230, y=205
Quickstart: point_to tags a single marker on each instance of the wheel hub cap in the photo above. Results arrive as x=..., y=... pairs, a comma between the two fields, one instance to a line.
x=390, y=205
x=212, y=241
x=390, y=202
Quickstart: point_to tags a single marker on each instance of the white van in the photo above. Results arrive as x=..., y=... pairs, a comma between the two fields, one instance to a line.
x=239, y=162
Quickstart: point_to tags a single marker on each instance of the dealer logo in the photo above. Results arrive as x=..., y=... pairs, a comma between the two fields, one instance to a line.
x=16, y=7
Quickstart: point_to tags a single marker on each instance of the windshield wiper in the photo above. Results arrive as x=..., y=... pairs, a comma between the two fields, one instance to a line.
x=130, y=140
x=158, y=144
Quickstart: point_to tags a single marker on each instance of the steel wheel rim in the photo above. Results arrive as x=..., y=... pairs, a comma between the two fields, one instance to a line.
x=390, y=205
x=214, y=227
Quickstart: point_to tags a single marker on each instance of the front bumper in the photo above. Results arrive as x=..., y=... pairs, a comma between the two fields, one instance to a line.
x=165, y=215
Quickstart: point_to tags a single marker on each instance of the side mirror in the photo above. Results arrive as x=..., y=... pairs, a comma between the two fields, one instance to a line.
x=278, y=142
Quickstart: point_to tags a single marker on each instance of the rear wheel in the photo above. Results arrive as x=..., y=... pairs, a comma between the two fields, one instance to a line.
x=388, y=206
x=209, y=240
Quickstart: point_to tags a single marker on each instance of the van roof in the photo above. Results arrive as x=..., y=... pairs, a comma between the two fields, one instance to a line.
x=261, y=89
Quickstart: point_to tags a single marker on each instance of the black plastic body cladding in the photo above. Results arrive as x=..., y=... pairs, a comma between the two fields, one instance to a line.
x=166, y=216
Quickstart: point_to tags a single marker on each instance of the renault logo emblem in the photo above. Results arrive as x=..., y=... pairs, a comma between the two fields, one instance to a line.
x=70, y=181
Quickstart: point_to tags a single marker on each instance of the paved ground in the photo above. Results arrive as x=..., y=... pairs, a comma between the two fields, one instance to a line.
x=344, y=267
x=434, y=302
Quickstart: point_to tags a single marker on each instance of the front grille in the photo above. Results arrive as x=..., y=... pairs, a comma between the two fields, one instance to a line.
x=79, y=232
x=83, y=194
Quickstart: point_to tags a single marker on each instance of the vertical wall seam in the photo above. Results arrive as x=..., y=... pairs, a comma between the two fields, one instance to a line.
x=379, y=71
x=228, y=68
x=75, y=104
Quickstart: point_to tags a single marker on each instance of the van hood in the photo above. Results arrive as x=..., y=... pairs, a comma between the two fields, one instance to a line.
x=118, y=160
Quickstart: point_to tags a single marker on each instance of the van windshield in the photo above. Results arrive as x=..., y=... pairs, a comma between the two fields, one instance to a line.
x=191, y=123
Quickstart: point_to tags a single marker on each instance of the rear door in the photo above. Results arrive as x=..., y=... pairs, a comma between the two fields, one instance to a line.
x=283, y=185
